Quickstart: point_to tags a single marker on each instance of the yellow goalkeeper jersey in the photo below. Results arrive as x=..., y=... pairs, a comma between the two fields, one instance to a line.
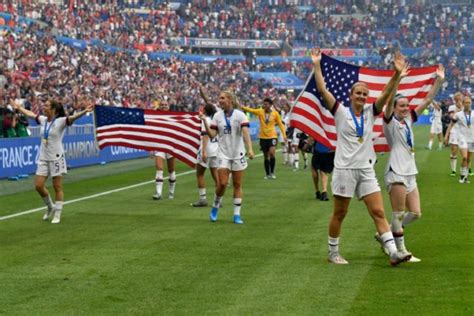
x=267, y=122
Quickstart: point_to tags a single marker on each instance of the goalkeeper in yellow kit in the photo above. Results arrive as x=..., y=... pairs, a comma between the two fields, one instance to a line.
x=268, y=119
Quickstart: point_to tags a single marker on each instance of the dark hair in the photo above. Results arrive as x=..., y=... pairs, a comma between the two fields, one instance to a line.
x=268, y=100
x=58, y=108
x=397, y=97
x=210, y=110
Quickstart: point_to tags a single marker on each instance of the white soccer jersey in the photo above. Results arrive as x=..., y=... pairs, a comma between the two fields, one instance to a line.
x=350, y=153
x=52, y=149
x=462, y=129
x=229, y=130
x=402, y=158
x=436, y=116
x=212, y=144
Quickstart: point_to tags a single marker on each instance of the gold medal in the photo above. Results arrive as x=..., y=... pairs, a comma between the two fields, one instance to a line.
x=413, y=150
x=45, y=141
x=361, y=139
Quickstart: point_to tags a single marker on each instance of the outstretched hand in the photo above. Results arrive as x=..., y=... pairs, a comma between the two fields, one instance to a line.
x=440, y=72
x=399, y=62
x=316, y=56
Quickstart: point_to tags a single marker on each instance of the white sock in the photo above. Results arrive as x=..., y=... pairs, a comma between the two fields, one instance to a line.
x=400, y=242
x=217, y=201
x=389, y=242
x=463, y=172
x=296, y=161
x=430, y=144
x=237, y=205
x=202, y=194
x=172, y=182
x=285, y=154
x=396, y=225
x=49, y=202
x=454, y=162
x=159, y=182
x=409, y=218
x=58, y=207
x=333, y=244
x=440, y=145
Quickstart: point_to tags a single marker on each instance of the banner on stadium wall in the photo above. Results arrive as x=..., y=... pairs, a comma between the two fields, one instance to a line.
x=20, y=155
x=196, y=58
x=307, y=59
x=280, y=80
x=226, y=43
x=345, y=52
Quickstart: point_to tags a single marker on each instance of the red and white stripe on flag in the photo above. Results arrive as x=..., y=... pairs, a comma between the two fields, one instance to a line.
x=309, y=115
x=175, y=133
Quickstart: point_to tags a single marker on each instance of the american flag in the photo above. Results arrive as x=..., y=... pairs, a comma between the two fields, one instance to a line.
x=175, y=133
x=310, y=116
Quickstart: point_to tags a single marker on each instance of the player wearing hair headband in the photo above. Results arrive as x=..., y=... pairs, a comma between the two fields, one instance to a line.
x=400, y=173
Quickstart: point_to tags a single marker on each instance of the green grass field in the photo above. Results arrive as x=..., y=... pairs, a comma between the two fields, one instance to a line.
x=123, y=253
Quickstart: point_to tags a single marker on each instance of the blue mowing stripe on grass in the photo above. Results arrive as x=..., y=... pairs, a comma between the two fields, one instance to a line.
x=2, y=218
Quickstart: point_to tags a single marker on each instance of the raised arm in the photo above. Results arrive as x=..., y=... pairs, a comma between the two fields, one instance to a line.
x=328, y=98
x=17, y=106
x=250, y=110
x=248, y=141
x=203, y=94
x=391, y=99
x=72, y=118
x=440, y=75
x=399, y=64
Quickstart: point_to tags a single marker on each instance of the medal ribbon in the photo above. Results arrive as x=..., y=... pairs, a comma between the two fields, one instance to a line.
x=47, y=129
x=359, y=128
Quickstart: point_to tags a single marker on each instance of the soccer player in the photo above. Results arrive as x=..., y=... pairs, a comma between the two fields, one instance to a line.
x=451, y=136
x=160, y=158
x=322, y=165
x=462, y=123
x=436, y=127
x=232, y=127
x=268, y=118
x=52, y=162
x=354, y=158
x=207, y=158
x=400, y=172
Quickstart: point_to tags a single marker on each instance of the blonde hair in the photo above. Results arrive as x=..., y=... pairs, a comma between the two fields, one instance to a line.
x=233, y=98
x=359, y=83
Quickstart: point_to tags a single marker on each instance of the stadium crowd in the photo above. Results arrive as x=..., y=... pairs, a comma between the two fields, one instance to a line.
x=35, y=64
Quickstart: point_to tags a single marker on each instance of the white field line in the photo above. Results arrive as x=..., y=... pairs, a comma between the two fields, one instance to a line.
x=2, y=218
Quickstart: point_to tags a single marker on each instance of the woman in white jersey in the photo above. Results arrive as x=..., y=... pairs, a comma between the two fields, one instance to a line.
x=354, y=172
x=400, y=173
x=451, y=137
x=232, y=127
x=462, y=123
x=436, y=127
x=51, y=162
x=160, y=158
x=207, y=158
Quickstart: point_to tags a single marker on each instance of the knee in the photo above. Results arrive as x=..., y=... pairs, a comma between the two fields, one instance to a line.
x=339, y=214
x=39, y=187
x=58, y=187
x=378, y=213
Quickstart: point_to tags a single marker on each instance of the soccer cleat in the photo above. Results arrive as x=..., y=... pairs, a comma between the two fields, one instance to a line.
x=237, y=220
x=267, y=177
x=414, y=259
x=464, y=180
x=398, y=257
x=318, y=195
x=170, y=196
x=470, y=172
x=156, y=197
x=47, y=213
x=272, y=176
x=213, y=215
x=199, y=203
x=56, y=217
x=428, y=147
x=453, y=173
x=324, y=196
x=336, y=258
x=382, y=246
